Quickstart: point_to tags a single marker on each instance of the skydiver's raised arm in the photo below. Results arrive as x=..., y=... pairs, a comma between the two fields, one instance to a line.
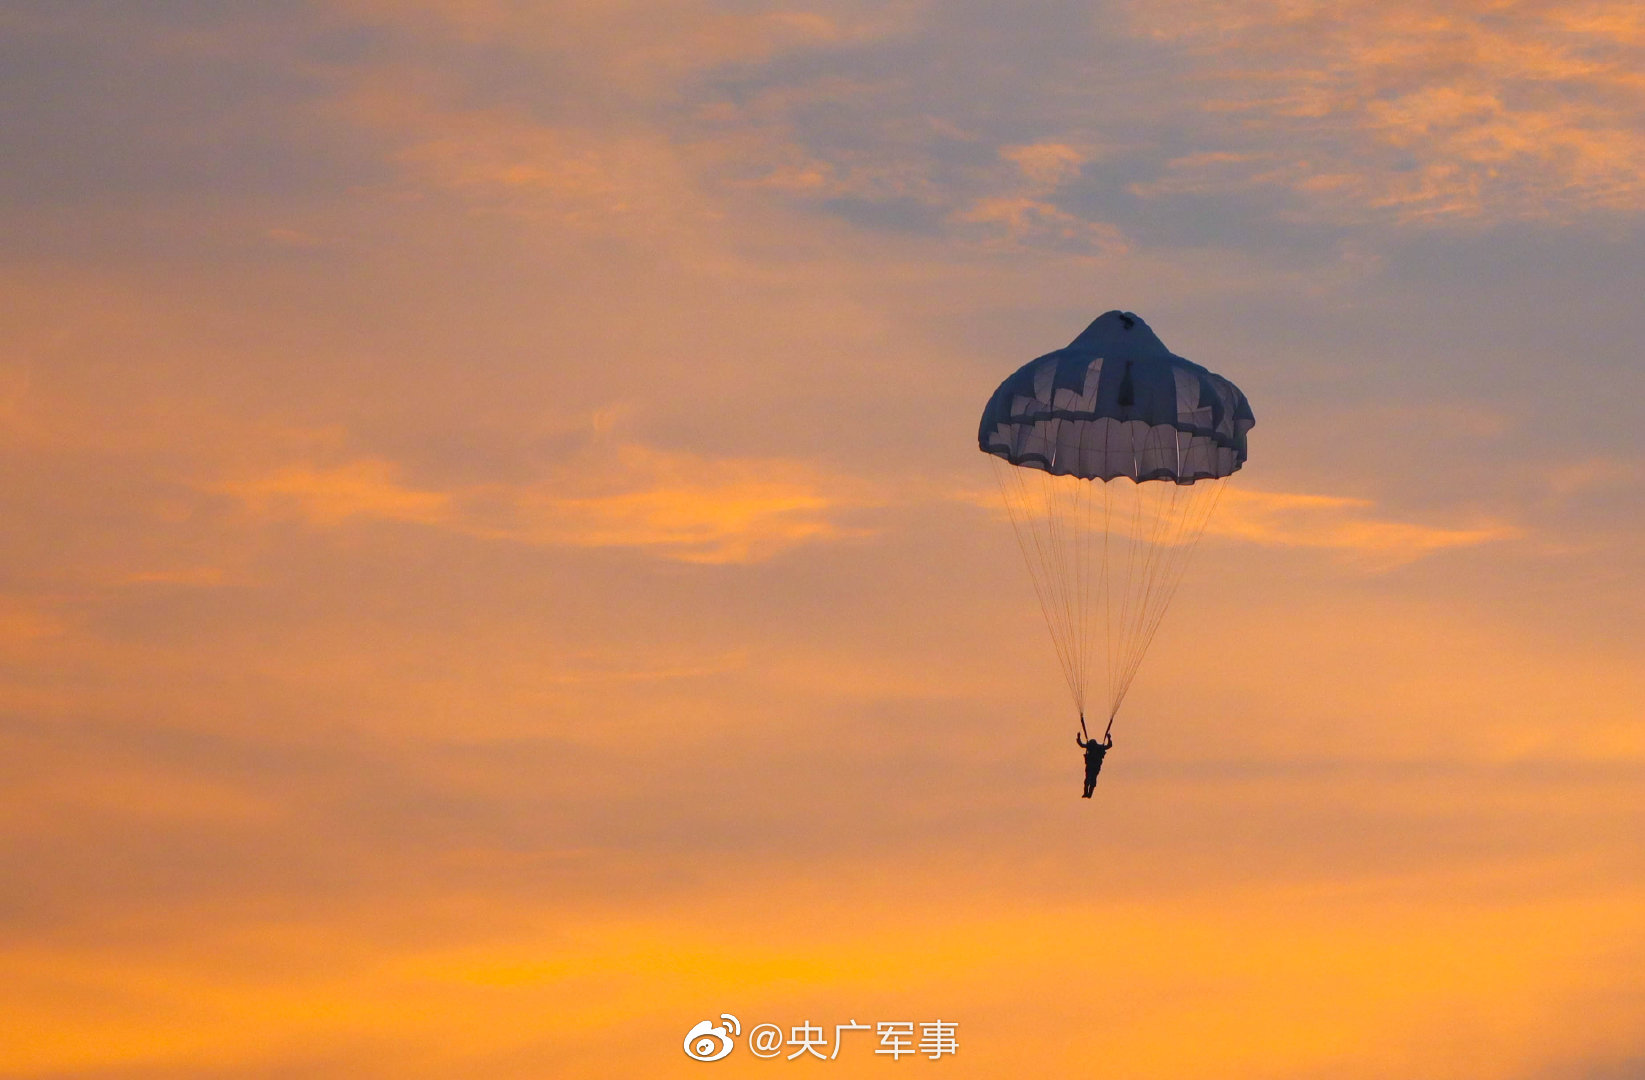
x=1079, y=740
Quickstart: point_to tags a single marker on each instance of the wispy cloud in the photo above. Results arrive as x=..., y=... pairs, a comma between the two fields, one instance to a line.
x=1027, y=214
x=1470, y=110
x=643, y=50
x=23, y=621
x=499, y=160
x=1024, y=221
x=1346, y=525
x=676, y=505
x=596, y=671
x=273, y=795
x=1342, y=524
x=1047, y=164
x=329, y=495
x=694, y=509
x=676, y=153
x=1590, y=475
x=201, y=576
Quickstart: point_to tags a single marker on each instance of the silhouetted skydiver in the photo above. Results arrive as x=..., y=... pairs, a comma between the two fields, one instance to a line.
x=1094, y=752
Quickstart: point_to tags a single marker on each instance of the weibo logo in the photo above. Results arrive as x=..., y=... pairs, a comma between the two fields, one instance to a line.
x=708, y=1041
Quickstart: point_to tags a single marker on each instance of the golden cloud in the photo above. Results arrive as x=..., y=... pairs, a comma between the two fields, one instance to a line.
x=1338, y=523
x=1472, y=109
x=23, y=621
x=676, y=505
x=1025, y=215
x=1329, y=522
x=1047, y=164
x=1023, y=220
x=505, y=163
x=328, y=495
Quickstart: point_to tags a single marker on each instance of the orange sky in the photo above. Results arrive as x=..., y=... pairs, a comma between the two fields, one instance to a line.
x=495, y=567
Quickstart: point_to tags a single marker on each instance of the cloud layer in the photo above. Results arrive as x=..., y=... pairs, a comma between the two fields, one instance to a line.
x=491, y=573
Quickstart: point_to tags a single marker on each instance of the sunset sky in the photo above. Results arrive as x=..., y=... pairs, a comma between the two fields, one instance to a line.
x=495, y=566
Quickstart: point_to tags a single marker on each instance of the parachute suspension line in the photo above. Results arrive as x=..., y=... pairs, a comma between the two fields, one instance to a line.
x=1086, y=541
x=1147, y=512
x=1117, y=631
x=1153, y=535
x=1057, y=514
x=1059, y=499
x=1156, y=534
x=1193, y=526
x=1025, y=511
x=1084, y=584
x=1178, y=545
x=1016, y=508
x=1138, y=592
x=1107, y=593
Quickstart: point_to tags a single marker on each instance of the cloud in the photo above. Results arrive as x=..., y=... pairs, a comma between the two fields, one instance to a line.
x=328, y=495
x=1328, y=522
x=1471, y=110
x=22, y=621
x=1022, y=221
x=1590, y=475
x=499, y=160
x=646, y=49
x=196, y=576
x=600, y=671
x=1048, y=165
x=675, y=505
x=1027, y=214
x=1285, y=519
x=364, y=819
x=694, y=510
x=838, y=143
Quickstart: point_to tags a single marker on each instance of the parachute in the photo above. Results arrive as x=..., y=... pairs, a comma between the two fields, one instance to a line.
x=1111, y=456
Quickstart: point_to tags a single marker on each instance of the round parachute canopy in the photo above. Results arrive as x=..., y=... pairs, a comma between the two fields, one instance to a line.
x=1111, y=455
x=1116, y=402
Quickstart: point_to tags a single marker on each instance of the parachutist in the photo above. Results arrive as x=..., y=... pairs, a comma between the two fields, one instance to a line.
x=1110, y=454
x=1094, y=753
